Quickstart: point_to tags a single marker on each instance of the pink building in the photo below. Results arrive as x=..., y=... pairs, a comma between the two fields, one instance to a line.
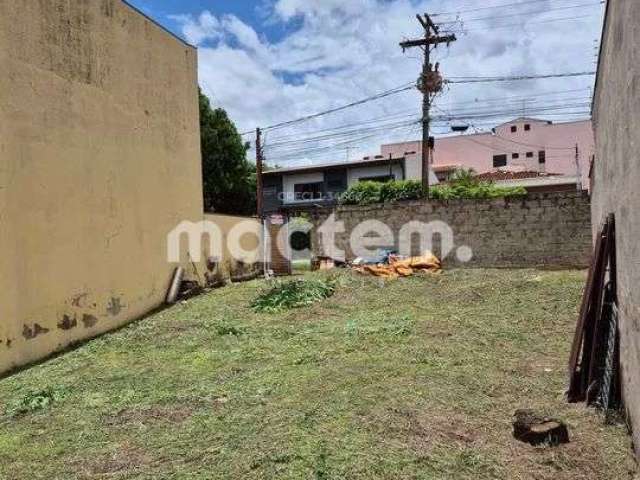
x=521, y=145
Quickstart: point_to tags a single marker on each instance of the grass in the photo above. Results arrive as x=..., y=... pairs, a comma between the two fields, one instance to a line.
x=279, y=295
x=411, y=379
x=301, y=265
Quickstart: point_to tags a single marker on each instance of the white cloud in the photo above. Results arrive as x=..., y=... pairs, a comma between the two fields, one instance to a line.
x=344, y=50
x=197, y=30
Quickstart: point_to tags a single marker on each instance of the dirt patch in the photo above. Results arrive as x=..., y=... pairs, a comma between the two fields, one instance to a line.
x=125, y=459
x=423, y=430
x=175, y=414
x=580, y=459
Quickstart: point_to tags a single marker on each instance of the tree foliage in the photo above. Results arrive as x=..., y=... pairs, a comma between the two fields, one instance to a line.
x=229, y=180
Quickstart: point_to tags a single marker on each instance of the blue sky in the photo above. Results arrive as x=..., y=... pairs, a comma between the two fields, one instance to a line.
x=249, y=11
x=269, y=61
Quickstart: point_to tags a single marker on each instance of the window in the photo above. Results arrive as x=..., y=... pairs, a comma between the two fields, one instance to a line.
x=542, y=156
x=335, y=184
x=529, y=154
x=514, y=129
x=499, y=161
x=308, y=191
x=270, y=192
x=527, y=127
x=515, y=156
x=379, y=178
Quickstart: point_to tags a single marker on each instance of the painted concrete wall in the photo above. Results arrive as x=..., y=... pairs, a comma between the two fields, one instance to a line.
x=99, y=160
x=245, y=233
x=616, y=177
x=477, y=150
x=355, y=174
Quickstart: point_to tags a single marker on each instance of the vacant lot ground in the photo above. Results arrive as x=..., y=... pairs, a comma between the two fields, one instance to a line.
x=412, y=379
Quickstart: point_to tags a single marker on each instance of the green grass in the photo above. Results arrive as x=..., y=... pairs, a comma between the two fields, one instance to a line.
x=411, y=379
x=301, y=265
x=279, y=295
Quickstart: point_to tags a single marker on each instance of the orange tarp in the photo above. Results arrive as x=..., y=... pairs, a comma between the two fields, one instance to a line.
x=404, y=268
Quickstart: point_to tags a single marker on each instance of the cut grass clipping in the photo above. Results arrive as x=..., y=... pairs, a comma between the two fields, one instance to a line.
x=293, y=294
x=37, y=400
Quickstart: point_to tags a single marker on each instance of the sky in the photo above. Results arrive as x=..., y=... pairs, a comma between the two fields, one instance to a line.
x=271, y=61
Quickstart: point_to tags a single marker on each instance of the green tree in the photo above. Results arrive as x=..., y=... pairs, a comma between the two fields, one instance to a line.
x=229, y=180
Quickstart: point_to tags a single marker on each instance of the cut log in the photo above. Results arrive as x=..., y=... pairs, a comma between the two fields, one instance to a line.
x=538, y=430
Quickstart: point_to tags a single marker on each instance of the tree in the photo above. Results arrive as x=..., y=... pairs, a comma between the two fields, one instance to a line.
x=229, y=180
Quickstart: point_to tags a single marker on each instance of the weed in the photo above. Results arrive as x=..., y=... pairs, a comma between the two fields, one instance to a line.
x=37, y=400
x=223, y=328
x=293, y=294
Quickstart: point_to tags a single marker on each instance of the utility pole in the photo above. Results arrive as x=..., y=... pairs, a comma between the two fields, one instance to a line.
x=259, y=161
x=430, y=82
x=578, y=170
x=348, y=152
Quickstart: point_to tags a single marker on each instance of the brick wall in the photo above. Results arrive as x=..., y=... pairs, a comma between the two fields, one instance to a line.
x=543, y=229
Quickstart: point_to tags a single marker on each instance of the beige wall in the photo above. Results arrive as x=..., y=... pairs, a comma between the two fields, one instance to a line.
x=99, y=159
x=616, y=178
x=245, y=232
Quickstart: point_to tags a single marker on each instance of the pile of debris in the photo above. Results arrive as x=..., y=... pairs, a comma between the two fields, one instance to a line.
x=391, y=265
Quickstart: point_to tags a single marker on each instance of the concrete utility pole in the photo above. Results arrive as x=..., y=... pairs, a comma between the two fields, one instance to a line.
x=259, y=160
x=430, y=82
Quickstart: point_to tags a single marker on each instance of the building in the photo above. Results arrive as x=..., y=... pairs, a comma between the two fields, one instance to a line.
x=100, y=160
x=523, y=144
x=535, y=154
x=532, y=181
x=615, y=179
x=299, y=187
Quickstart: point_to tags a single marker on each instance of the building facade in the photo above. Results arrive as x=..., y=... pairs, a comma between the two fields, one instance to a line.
x=615, y=179
x=523, y=144
x=299, y=187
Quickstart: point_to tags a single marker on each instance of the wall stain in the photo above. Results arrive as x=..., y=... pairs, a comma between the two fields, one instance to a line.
x=31, y=333
x=9, y=342
x=89, y=320
x=77, y=300
x=67, y=322
x=108, y=8
x=114, y=306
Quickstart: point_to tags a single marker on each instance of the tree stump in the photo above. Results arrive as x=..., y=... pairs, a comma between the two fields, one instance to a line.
x=537, y=430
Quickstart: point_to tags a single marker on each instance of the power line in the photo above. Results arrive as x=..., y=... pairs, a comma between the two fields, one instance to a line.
x=393, y=91
x=517, y=106
x=511, y=15
x=307, y=153
x=525, y=97
x=515, y=78
x=531, y=101
x=478, y=9
x=525, y=104
x=541, y=22
x=397, y=115
x=329, y=136
x=302, y=148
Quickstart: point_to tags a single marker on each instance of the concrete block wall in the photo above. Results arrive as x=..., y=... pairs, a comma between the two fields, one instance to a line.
x=615, y=179
x=539, y=230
